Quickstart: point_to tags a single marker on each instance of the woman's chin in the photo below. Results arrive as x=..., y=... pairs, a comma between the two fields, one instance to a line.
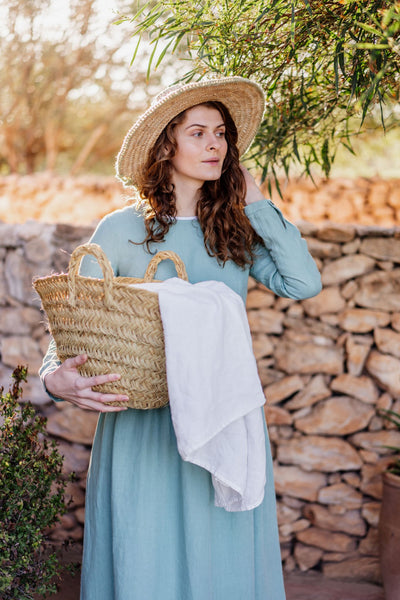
x=213, y=177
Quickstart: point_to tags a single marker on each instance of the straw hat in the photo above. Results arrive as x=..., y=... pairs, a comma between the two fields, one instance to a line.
x=243, y=98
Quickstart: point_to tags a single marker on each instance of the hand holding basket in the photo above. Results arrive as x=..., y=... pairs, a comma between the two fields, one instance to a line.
x=117, y=326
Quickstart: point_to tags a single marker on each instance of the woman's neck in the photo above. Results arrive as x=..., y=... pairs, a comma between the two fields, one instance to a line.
x=186, y=198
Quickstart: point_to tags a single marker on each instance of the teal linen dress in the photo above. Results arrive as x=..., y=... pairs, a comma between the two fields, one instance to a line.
x=152, y=531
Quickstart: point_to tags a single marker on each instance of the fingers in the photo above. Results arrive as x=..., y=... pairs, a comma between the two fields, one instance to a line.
x=75, y=361
x=89, y=382
x=70, y=385
x=101, y=406
x=98, y=401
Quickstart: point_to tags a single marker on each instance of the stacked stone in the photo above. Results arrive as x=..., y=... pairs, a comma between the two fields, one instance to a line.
x=328, y=365
x=368, y=201
x=54, y=199
x=31, y=250
x=51, y=198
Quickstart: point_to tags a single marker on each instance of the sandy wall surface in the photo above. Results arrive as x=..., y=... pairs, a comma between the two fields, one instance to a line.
x=83, y=200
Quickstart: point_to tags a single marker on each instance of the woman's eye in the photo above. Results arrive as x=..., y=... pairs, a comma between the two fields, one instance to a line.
x=221, y=134
x=198, y=133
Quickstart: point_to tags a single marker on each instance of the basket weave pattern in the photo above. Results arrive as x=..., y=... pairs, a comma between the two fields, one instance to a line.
x=117, y=326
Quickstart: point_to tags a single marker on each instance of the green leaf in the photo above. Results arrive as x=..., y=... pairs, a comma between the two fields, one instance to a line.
x=295, y=148
x=292, y=23
x=369, y=28
x=136, y=50
x=371, y=46
x=308, y=7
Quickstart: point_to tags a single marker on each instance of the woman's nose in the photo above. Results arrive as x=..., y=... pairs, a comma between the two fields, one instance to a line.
x=214, y=142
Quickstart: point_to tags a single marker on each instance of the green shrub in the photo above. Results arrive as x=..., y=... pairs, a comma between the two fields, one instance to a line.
x=31, y=497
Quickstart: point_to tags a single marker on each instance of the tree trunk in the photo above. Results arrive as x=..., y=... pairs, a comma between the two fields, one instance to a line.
x=51, y=144
x=88, y=147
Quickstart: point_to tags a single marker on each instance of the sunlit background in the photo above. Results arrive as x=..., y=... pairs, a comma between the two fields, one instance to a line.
x=69, y=93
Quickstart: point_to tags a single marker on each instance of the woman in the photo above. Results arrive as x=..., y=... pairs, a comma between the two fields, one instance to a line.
x=152, y=531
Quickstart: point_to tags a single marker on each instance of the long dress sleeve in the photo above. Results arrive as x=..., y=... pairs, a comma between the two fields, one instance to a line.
x=89, y=268
x=283, y=262
x=49, y=365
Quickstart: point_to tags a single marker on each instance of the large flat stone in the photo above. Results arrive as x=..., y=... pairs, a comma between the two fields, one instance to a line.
x=377, y=440
x=76, y=457
x=371, y=474
x=293, y=481
x=287, y=514
x=381, y=248
x=349, y=522
x=73, y=424
x=313, y=392
x=356, y=355
x=309, y=358
x=275, y=415
x=282, y=389
x=345, y=268
x=262, y=346
x=370, y=511
x=18, y=320
x=380, y=291
x=19, y=274
x=387, y=341
x=327, y=540
x=386, y=370
x=361, y=320
x=339, y=415
x=265, y=320
x=257, y=298
x=307, y=556
x=333, y=232
x=21, y=350
x=341, y=495
x=309, y=327
x=319, y=453
x=320, y=249
x=38, y=249
x=369, y=545
x=329, y=300
x=362, y=387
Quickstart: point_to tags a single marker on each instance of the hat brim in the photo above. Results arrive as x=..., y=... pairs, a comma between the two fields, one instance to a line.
x=243, y=98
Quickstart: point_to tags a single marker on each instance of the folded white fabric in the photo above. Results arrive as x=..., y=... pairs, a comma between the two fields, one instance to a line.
x=214, y=389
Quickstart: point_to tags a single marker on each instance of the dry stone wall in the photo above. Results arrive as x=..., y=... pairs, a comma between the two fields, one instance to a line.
x=327, y=365
x=54, y=199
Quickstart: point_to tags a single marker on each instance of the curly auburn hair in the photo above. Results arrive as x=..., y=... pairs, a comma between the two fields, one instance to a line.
x=227, y=232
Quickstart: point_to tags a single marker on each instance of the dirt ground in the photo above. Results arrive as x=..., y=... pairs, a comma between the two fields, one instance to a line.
x=299, y=586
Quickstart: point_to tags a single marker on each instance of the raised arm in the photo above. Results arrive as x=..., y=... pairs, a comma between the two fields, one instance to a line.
x=282, y=263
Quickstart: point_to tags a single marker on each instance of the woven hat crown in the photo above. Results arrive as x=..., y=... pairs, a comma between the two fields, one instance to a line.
x=243, y=98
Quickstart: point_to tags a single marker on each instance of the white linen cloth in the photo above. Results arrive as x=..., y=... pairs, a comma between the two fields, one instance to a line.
x=214, y=389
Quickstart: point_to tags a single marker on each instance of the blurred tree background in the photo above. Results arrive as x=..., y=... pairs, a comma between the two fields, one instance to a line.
x=330, y=69
x=67, y=91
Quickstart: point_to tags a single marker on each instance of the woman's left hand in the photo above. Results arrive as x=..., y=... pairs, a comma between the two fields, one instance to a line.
x=253, y=192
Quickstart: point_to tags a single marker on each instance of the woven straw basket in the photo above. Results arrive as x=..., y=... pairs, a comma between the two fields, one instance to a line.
x=117, y=326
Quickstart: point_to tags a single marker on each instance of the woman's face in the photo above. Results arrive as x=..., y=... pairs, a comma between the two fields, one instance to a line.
x=201, y=146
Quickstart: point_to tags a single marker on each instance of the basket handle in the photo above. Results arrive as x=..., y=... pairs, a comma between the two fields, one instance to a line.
x=163, y=255
x=74, y=264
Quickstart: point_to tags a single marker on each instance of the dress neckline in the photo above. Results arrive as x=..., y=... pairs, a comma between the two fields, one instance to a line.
x=186, y=218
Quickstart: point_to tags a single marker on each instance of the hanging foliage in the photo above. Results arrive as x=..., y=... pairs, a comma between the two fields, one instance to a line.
x=321, y=64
